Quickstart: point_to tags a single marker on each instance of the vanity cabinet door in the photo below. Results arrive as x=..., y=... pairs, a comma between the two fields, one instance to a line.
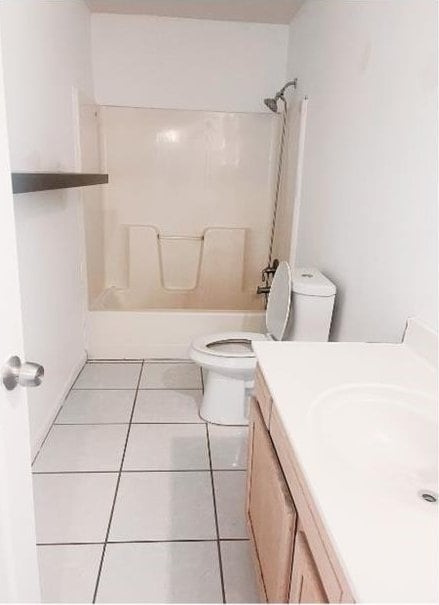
x=306, y=585
x=270, y=512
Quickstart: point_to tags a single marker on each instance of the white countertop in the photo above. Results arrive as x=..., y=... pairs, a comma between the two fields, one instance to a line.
x=385, y=535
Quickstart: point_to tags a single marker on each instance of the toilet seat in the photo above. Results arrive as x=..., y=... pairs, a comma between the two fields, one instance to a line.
x=278, y=311
x=231, y=345
x=237, y=345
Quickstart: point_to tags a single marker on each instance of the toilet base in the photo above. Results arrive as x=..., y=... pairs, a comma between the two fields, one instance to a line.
x=226, y=400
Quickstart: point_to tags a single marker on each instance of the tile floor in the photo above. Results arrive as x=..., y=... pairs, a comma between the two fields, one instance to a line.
x=137, y=499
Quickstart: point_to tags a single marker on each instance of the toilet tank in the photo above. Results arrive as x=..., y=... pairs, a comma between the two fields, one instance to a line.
x=312, y=304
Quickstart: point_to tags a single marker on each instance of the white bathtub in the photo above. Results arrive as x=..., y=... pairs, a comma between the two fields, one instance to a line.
x=115, y=333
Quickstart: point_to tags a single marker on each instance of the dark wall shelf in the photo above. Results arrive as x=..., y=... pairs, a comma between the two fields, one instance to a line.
x=26, y=182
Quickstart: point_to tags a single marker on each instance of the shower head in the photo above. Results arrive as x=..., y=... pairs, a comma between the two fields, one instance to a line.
x=271, y=103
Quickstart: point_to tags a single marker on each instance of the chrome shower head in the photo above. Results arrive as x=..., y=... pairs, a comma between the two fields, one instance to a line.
x=271, y=104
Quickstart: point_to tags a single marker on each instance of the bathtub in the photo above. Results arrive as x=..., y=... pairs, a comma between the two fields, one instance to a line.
x=117, y=330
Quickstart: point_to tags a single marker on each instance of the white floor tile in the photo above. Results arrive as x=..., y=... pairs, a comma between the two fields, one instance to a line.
x=240, y=582
x=166, y=447
x=68, y=573
x=228, y=446
x=230, y=492
x=178, y=572
x=88, y=407
x=88, y=447
x=168, y=406
x=170, y=376
x=73, y=507
x=108, y=376
x=164, y=506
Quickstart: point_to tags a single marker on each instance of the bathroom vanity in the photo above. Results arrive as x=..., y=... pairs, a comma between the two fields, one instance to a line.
x=293, y=555
x=342, y=449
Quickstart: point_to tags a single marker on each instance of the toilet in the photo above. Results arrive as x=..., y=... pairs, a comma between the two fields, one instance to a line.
x=299, y=307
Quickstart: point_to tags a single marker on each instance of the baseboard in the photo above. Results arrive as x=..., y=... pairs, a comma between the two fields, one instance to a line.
x=36, y=446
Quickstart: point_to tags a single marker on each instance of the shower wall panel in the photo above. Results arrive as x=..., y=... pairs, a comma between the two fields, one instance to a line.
x=187, y=212
x=89, y=160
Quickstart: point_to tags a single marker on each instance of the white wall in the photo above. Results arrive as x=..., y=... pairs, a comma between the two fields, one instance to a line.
x=161, y=62
x=369, y=202
x=46, y=52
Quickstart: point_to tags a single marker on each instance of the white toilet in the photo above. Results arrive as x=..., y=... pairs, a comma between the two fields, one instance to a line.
x=299, y=307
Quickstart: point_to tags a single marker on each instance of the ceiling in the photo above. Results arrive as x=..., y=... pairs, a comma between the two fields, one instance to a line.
x=256, y=11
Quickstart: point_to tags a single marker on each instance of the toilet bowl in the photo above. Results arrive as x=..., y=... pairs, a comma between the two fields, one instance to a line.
x=229, y=366
x=227, y=358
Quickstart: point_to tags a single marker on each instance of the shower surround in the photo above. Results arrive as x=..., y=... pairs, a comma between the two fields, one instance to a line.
x=184, y=226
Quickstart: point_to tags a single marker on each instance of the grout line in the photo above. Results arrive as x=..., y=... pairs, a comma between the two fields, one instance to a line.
x=126, y=423
x=199, y=422
x=114, y=472
x=164, y=360
x=173, y=388
x=92, y=423
x=130, y=388
x=143, y=470
x=215, y=511
x=187, y=540
x=195, y=540
x=117, y=487
x=70, y=543
x=177, y=541
x=138, y=360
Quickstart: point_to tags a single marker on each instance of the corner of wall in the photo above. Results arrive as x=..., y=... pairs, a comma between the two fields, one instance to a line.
x=38, y=439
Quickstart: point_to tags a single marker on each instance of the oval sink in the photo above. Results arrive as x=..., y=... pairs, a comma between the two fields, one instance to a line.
x=383, y=429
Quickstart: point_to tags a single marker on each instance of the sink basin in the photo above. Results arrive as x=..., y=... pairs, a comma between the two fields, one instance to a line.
x=385, y=430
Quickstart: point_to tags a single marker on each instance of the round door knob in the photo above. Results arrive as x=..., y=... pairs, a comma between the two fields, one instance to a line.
x=26, y=374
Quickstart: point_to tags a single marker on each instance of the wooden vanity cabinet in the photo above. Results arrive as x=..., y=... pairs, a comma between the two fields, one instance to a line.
x=306, y=584
x=271, y=515
x=294, y=560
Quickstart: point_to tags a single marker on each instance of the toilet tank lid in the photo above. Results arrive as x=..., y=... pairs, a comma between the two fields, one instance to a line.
x=310, y=281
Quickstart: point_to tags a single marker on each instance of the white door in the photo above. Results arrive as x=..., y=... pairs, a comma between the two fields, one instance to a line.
x=19, y=581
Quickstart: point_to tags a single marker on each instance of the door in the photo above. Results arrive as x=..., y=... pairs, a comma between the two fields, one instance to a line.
x=18, y=558
x=271, y=513
x=306, y=585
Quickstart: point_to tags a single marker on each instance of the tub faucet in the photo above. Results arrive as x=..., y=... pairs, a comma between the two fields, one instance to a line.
x=267, y=278
x=269, y=271
x=263, y=290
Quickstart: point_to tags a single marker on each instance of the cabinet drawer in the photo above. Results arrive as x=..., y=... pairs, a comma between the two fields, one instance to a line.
x=263, y=396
